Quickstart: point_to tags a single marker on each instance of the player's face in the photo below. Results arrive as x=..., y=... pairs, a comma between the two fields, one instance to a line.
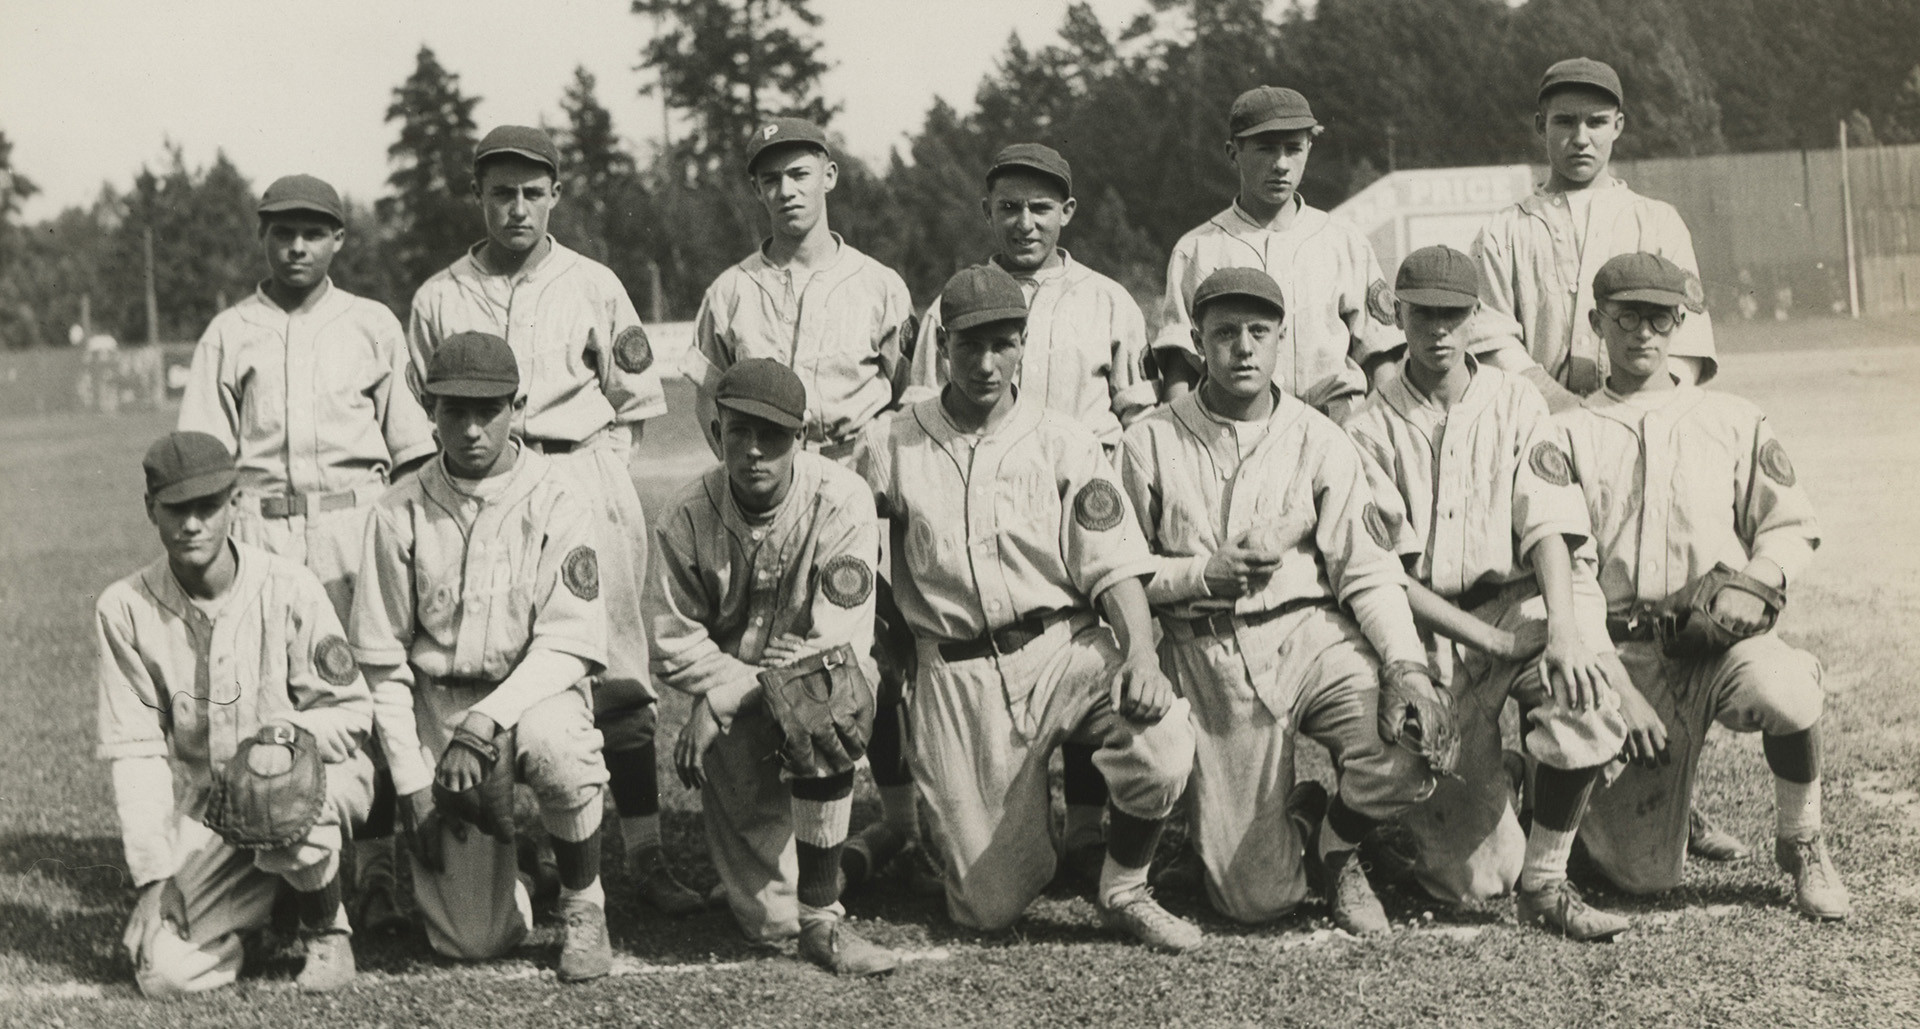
x=300, y=247
x=1239, y=338
x=194, y=530
x=1579, y=127
x=1271, y=164
x=983, y=362
x=473, y=432
x=1433, y=335
x=1026, y=213
x=517, y=197
x=759, y=457
x=1641, y=351
x=793, y=183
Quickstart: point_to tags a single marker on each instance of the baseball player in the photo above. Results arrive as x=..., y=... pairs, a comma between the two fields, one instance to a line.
x=1701, y=527
x=1474, y=490
x=199, y=652
x=758, y=563
x=587, y=371
x=1341, y=325
x=844, y=323
x=1264, y=538
x=1008, y=529
x=479, y=627
x=305, y=382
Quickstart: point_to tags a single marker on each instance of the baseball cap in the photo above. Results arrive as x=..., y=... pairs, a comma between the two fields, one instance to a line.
x=785, y=132
x=1269, y=109
x=1036, y=156
x=1437, y=276
x=1237, y=282
x=1582, y=71
x=764, y=388
x=981, y=294
x=1648, y=278
x=473, y=364
x=185, y=465
x=302, y=193
x=520, y=140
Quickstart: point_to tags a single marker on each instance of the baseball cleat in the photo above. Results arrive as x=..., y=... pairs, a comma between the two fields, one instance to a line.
x=1142, y=917
x=1559, y=908
x=587, y=952
x=868, y=851
x=329, y=964
x=842, y=951
x=1350, y=895
x=660, y=889
x=1708, y=842
x=1817, y=889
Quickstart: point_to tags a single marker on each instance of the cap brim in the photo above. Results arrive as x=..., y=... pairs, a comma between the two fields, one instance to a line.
x=473, y=388
x=1436, y=297
x=532, y=155
x=205, y=484
x=283, y=206
x=1663, y=297
x=761, y=409
x=754, y=157
x=1578, y=83
x=1037, y=169
x=996, y=314
x=1264, y=301
x=1291, y=123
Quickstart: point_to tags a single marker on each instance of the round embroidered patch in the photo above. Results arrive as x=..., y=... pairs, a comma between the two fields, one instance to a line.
x=333, y=659
x=1380, y=302
x=631, y=351
x=1377, y=526
x=1773, y=461
x=1097, y=507
x=581, y=572
x=908, y=337
x=1696, y=294
x=846, y=580
x=1550, y=464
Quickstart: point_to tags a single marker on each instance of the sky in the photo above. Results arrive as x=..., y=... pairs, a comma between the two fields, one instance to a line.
x=90, y=90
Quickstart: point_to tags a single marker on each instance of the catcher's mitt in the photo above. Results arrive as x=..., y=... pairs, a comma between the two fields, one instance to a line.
x=1684, y=622
x=487, y=807
x=272, y=792
x=1418, y=715
x=824, y=705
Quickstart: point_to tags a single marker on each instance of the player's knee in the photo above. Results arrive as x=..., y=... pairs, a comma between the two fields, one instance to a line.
x=559, y=753
x=1383, y=780
x=1561, y=737
x=1147, y=775
x=173, y=967
x=1778, y=695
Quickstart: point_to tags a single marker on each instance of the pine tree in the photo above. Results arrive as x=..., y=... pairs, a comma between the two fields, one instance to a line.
x=430, y=210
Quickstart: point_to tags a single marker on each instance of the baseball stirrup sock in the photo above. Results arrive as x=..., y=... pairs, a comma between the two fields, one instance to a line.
x=634, y=777
x=1793, y=756
x=819, y=885
x=579, y=862
x=640, y=833
x=887, y=749
x=320, y=909
x=1130, y=839
x=1560, y=795
x=900, y=807
x=1796, y=809
x=1085, y=790
x=1343, y=828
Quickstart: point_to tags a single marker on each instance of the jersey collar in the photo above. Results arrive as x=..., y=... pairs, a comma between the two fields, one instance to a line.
x=249, y=575
x=528, y=470
x=559, y=258
x=1216, y=432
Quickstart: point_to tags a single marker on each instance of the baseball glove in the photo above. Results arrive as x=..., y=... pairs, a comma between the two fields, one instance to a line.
x=1418, y=715
x=272, y=792
x=824, y=706
x=1684, y=622
x=487, y=807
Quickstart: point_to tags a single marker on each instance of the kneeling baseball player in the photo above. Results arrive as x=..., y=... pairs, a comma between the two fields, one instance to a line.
x=478, y=622
x=1283, y=610
x=226, y=665
x=1701, y=527
x=1008, y=529
x=761, y=607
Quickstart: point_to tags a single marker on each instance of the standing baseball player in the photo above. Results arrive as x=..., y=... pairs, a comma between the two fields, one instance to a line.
x=1264, y=538
x=761, y=563
x=1468, y=472
x=212, y=659
x=306, y=383
x=1341, y=323
x=479, y=627
x=1008, y=530
x=587, y=372
x=844, y=323
x=1702, y=527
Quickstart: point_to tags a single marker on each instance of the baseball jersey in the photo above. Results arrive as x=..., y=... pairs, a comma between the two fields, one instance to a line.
x=190, y=680
x=1086, y=349
x=840, y=329
x=1678, y=481
x=993, y=527
x=1339, y=307
x=1536, y=279
x=309, y=401
x=585, y=360
x=1467, y=492
x=726, y=582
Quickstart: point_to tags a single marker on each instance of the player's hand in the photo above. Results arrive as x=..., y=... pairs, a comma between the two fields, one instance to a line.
x=1573, y=674
x=1740, y=611
x=1646, y=734
x=159, y=904
x=784, y=651
x=461, y=769
x=1238, y=570
x=333, y=741
x=702, y=728
x=423, y=824
x=1525, y=642
x=1140, y=691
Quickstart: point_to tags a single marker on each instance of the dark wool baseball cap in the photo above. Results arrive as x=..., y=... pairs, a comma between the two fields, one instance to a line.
x=302, y=193
x=1036, y=157
x=981, y=294
x=1437, y=276
x=764, y=388
x=1237, y=282
x=182, y=466
x=1269, y=109
x=1647, y=278
x=473, y=364
x=786, y=132
x=520, y=141
x=1582, y=71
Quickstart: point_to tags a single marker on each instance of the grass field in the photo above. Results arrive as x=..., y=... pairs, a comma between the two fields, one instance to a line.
x=1723, y=950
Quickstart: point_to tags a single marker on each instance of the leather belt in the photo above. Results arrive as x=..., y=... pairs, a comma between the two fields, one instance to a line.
x=553, y=446
x=1635, y=628
x=1221, y=623
x=1486, y=591
x=290, y=505
x=469, y=682
x=1005, y=640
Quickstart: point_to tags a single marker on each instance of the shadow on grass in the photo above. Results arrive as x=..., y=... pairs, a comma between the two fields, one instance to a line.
x=63, y=903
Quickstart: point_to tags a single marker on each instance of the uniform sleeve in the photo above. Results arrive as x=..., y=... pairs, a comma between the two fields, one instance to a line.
x=1099, y=535
x=1176, y=332
x=1130, y=390
x=1345, y=505
x=381, y=621
x=1384, y=486
x=929, y=371
x=679, y=609
x=403, y=421
x=422, y=337
x=901, y=336
x=133, y=718
x=624, y=361
x=874, y=462
x=211, y=404
x=1694, y=337
x=569, y=616
x=708, y=358
x=1495, y=326
x=1775, y=519
x=1366, y=305
x=143, y=799
x=842, y=602
x=323, y=679
x=1546, y=499
x=1177, y=578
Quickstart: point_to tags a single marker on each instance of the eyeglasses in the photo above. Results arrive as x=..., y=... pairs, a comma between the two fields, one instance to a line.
x=1630, y=320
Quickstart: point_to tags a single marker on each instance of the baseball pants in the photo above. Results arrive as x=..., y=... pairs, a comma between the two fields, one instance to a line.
x=748, y=811
x=328, y=542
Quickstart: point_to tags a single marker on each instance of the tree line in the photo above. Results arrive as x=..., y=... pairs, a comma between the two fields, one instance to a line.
x=1138, y=108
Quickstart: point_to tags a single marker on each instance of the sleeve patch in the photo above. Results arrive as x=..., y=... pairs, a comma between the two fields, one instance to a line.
x=1696, y=294
x=1380, y=302
x=1377, y=526
x=909, y=337
x=1773, y=461
x=1550, y=464
x=581, y=572
x=847, y=581
x=1097, y=507
x=333, y=659
x=631, y=350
